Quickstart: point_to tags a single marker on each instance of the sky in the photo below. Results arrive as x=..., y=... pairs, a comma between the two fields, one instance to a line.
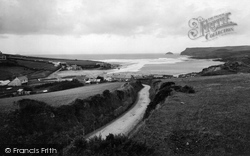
x=36, y=27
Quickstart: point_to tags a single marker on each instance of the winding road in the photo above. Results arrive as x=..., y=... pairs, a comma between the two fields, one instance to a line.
x=128, y=121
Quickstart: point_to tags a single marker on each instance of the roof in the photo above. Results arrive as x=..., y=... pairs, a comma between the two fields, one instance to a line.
x=21, y=78
x=4, y=82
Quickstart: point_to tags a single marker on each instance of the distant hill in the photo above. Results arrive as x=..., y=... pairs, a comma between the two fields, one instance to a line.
x=217, y=52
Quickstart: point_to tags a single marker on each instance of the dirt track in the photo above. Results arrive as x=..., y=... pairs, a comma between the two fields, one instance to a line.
x=125, y=123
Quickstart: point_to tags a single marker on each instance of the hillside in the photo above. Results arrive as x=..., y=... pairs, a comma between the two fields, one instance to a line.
x=214, y=120
x=61, y=97
x=38, y=67
x=217, y=52
x=236, y=58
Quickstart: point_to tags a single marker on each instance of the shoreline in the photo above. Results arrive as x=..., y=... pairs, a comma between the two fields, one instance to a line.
x=127, y=69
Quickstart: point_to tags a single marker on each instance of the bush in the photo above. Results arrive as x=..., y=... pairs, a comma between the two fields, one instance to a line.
x=187, y=89
x=106, y=93
x=167, y=84
x=113, y=145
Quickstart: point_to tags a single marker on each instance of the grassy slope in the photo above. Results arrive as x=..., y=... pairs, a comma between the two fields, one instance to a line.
x=10, y=72
x=217, y=116
x=16, y=67
x=61, y=97
x=30, y=66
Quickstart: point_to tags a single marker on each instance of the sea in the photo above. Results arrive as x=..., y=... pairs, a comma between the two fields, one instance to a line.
x=156, y=63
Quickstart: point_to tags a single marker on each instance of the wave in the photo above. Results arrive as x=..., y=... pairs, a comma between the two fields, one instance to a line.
x=134, y=65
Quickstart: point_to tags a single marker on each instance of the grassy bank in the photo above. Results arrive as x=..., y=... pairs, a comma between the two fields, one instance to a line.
x=215, y=120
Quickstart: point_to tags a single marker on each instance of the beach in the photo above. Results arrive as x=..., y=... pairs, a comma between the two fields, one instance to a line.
x=139, y=64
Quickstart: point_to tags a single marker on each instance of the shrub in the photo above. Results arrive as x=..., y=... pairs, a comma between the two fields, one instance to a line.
x=187, y=89
x=113, y=145
x=167, y=84
x=106, y=93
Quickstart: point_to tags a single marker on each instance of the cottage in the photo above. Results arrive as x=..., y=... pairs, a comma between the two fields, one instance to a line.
x=27, y=92
x=2, y=56
x=109, y=79
x=20, y=92
x=15, y=82
x=98, y=80
x=4, y=83
x=18, y=81
x=81, y=79
x=56, y=64
x=88, y=82
x=23, y=79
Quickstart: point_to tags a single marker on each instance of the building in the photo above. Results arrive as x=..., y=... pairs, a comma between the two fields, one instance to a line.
x=109, y=79
x=20, y=92
x=4, y=83
x=2, y=56
x=18, y=81
x=81, y=79
x=23, y=79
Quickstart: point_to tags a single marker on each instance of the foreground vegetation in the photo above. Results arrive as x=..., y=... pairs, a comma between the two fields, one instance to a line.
x=215, y=120
x=111, y=146
x=36, y=122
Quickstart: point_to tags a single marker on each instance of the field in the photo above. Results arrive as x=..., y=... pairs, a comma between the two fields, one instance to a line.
x=36, y=65
x=61, y=97
x=213, y=121
x=16, y=67
x=11, y=72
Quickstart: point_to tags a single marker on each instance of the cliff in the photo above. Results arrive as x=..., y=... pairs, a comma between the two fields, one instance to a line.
x=217, y=52
x=36, y=122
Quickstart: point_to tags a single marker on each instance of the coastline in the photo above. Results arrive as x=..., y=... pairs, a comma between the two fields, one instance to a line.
x=126, y=69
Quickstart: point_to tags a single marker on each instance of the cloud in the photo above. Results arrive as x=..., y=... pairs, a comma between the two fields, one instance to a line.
x=3, y=37
x=83, y=17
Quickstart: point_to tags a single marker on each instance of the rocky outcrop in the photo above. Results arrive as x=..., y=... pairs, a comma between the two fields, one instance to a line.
x=230, y=67
x=36, y=122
